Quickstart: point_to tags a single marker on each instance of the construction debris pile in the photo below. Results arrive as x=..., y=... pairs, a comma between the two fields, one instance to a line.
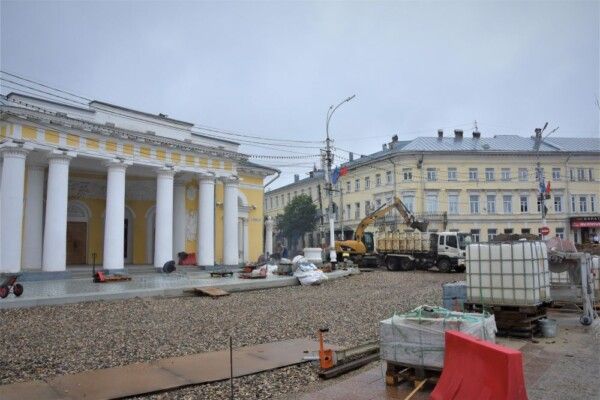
x=417, y=337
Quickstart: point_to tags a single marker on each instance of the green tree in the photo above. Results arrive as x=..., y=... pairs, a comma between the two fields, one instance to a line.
x=299, y=217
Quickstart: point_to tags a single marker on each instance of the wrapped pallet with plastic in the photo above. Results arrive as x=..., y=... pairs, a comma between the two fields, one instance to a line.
x=416, y=338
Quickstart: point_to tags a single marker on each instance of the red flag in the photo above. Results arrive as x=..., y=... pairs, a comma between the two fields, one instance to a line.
x=343, y=171
x=548, y=187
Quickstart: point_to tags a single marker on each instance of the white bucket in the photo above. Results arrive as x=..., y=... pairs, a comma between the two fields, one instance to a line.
x=549, y=327
x=313, y=254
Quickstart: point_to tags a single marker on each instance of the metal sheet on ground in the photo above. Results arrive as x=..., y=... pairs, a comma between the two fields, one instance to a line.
x=170, y=373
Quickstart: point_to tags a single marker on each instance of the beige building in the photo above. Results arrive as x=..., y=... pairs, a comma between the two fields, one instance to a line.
x=481, y=185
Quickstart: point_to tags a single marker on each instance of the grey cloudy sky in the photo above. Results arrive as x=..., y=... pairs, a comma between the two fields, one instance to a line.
x=273, y=68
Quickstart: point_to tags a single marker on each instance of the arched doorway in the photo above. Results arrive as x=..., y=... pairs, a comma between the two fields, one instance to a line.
x=78, y=216
x=150, y=237
x=128, y=236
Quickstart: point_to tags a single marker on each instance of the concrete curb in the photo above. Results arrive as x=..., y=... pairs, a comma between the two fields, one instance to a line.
x=237, y=286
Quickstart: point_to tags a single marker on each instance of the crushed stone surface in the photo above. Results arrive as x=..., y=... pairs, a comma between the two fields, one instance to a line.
x=41, y=342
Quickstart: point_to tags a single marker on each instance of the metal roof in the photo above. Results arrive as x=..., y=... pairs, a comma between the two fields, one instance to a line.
x=502, y=143
x=318, y=176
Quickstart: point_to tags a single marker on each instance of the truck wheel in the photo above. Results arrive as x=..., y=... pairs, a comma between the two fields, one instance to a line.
x=444, y=265
x=391, y=264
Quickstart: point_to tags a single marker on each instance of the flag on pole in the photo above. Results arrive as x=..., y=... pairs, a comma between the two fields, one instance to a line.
x=343, y=171
x=542, y=186
x=548, y=188
x=335, y=175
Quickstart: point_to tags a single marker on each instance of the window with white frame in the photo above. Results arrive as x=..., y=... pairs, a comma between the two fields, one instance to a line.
x=473, y=174
x=270, y=202
x=377, y=179
x=558, y=206
x=489, y=174
x=508, y=231
x=367, y=207
x=451, y=174
x=505, y=174
x=367, y=182
x=591, y=174
x=475, y=235
x=409, y=201
x=556, y=174
x=431, y=204
x=582, y=204
x=524, y=201
x=348, y=211
x=541, y=170
x=523, y=174
x=407, y=174
x=573, y=203
x=431, y=174
x=492, y=232
x=453, y=203
x=525, y=231
x=572, y=174
x=388, y=177
x=357, y=185
x=581, y=174
x=378, y=202
x=507, y=204
x=491, y=204
x=348, y=187
x=592, y=203
x=560, y=232
x=357, y=211
x=474, y=203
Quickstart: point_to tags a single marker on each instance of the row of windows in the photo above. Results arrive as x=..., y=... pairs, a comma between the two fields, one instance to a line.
x=488, y=204
x=274, y=202
x=473, y=174
x=492, y=232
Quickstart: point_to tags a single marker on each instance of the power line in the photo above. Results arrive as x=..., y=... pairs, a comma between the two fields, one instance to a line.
x=200, y=126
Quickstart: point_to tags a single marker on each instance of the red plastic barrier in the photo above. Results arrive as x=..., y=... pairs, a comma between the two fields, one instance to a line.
x=479, y=370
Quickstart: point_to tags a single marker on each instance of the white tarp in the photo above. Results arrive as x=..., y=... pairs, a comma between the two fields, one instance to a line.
x=417, y=337
x=306, y=272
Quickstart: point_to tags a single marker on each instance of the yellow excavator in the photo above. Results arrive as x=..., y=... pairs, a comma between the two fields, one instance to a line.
x=360, y=250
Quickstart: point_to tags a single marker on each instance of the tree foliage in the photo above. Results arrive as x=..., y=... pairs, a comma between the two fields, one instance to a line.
x=299, y=216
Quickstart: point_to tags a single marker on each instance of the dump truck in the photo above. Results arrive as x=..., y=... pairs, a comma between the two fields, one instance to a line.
x=404, y=251
x=361, y=249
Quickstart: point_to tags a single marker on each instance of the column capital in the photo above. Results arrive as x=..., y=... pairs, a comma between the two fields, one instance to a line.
x=206, y=177
x=61, y=156
x=117, y=163
x=231, y=180
x=165, y=172
x=14, y=149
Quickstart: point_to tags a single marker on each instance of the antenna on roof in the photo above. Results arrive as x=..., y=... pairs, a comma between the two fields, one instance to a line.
x=475, y=126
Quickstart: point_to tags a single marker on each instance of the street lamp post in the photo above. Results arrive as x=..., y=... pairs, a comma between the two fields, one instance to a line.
x=329, y=155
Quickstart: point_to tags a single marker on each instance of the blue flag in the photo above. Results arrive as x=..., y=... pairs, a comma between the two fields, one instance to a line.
x=335, y=175
x=542, y=186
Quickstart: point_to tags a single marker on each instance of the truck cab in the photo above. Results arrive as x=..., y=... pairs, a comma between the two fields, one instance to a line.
x=452, y=245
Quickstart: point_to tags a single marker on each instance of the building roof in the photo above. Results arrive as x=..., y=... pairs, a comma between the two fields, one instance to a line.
x=248, y=164
x=502, y=143
x=317, y=176
x=145, y=114
x=396, y=147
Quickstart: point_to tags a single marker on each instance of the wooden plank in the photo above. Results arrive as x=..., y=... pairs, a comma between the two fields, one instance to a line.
x=210, y=291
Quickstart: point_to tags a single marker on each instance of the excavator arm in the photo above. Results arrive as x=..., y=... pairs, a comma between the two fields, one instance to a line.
x=356, y=246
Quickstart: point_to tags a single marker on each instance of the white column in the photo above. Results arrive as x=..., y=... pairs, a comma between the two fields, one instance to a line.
x=114, y=217
x=230, y=222
x=179, y=219
x=163, y=243
x=34, y=218
x=205, y=246
x=269, y=236
x=55, y=228
x=246, y=240
x=11, y=201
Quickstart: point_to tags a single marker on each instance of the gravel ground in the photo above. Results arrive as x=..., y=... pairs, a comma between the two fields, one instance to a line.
x=71, y=338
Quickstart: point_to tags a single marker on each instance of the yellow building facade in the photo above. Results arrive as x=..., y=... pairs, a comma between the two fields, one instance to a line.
x=120, y=187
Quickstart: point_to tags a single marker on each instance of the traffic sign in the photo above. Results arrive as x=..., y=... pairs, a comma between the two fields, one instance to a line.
x=544, y=230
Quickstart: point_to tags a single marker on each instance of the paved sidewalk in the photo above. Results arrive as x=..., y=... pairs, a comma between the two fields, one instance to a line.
x=142, y=285
x=170, y=373
x=563, y=368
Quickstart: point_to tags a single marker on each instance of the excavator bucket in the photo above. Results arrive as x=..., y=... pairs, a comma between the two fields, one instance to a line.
x=420, y=225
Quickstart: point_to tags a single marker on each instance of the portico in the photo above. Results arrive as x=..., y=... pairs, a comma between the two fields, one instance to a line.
x=69, y=195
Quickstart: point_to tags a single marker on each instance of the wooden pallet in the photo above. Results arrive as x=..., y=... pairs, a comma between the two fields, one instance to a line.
x=397, y=373
x=208, y=291
x=517, y=321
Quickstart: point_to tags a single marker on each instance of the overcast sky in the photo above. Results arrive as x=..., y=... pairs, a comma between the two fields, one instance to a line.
x=273, y=68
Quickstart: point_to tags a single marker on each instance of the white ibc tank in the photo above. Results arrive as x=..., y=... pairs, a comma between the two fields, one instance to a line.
x=508, y=273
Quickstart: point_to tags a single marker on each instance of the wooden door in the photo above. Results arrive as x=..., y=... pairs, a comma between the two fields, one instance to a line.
x=76, y=242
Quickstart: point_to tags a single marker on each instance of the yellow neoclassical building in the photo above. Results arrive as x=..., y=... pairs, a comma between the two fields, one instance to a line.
x=474, y=184
x=115, y=186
